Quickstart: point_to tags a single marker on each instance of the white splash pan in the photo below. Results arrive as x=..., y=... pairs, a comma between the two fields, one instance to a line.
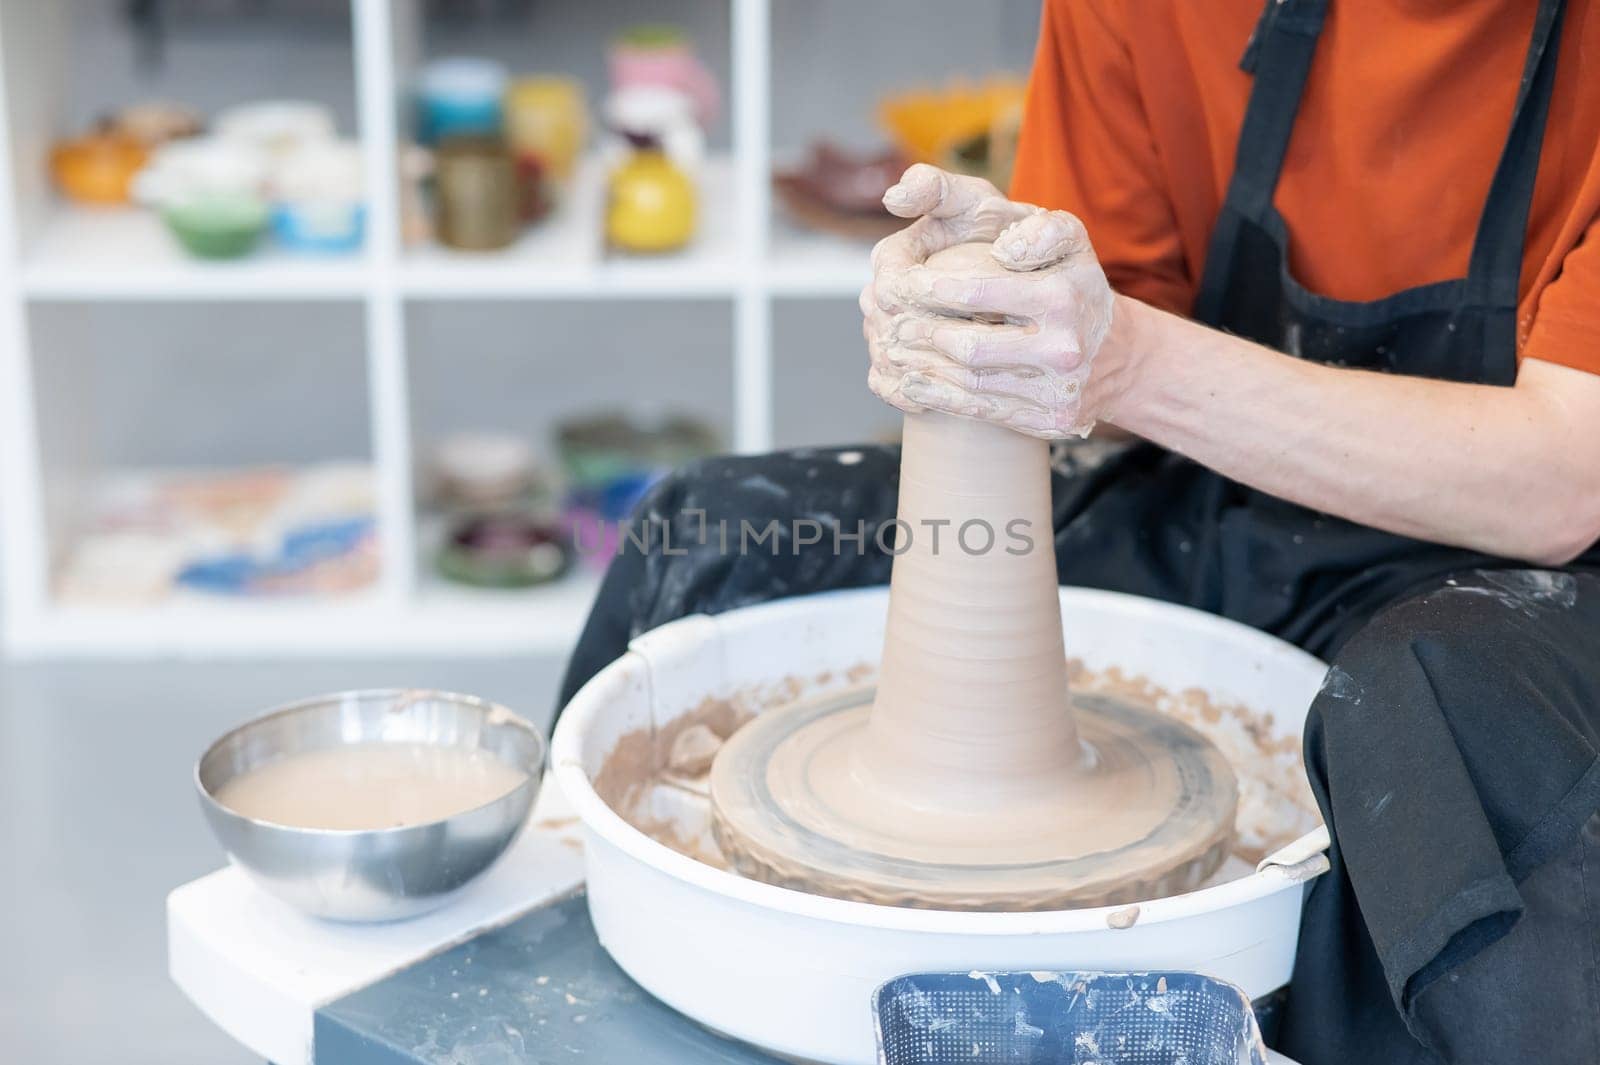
x=793, y=973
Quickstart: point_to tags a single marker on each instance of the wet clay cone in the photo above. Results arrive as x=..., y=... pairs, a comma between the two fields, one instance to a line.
x=970, y=780
x=972, y=704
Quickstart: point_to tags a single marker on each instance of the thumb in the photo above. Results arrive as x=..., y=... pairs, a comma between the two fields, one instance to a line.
x=1041, y=240
x=927, y=190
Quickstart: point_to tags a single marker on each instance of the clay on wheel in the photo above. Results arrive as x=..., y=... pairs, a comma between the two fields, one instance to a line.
x=970, y=781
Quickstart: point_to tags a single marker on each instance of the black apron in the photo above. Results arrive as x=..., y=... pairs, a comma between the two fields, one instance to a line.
x=1460, y=780
x=1466, y=857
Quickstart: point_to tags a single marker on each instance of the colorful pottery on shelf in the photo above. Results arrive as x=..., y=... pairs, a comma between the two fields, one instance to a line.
x=217, y=225
x=483, y=470
x=98, y=168
x=319, y=556
x=507, y=549
x=275, y=127
x=155, y=122
x=661, y=115
x=459, y=97
x=318, y=197
x=651, y=202
x=477, y=196
x=967, y=128
x=839, y=192
x=546, y=119
x=546, y=122
x=664, y=57
x=202, y=166
x=611, y=459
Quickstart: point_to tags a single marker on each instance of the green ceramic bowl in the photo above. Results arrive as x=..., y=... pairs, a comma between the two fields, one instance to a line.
x=508, y=549
x=218, y=227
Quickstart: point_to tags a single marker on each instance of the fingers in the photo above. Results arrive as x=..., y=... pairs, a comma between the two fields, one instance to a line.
x=911, y=246
x=902, y=370
x=927, y=190
x=963, y=295
x=885, y=384
x=986, y=346
x=1040, y=240
x=941, y=392
x=949, y=209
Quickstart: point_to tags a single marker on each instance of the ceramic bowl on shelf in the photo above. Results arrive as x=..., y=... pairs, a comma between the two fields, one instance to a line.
x=508, y=549
x=372, y=874
x=98, y=168
x=201, y=166
x=837, y=191
x=485, y=471
x=612, y=443
x=211, y=192
x=318, y=192
x=217, y=226
x=275, y=127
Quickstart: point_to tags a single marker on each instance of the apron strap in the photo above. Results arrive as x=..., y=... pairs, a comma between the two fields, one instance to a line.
x=1495, y=273
x=1279, y=55
x=1281, y=51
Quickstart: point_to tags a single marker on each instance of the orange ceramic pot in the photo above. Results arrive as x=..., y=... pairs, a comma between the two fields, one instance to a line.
x=97, y=168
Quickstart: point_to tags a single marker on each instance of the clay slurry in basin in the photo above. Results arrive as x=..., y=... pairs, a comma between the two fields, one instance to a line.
x=970, y=781
x=369, y=786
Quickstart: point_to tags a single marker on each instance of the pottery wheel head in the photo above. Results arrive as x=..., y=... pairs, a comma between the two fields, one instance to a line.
x=1147, y=812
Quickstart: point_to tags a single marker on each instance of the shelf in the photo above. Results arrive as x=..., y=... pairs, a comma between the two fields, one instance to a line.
x=126, y=352
x=547, y=618
x=89, y=254
x=565, y=254
x=445, y=619
x=807, y=263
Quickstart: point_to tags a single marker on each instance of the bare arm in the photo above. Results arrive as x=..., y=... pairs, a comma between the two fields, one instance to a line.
x=1512, y=472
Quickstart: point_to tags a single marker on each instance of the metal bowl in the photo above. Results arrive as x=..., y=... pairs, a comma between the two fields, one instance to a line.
x=380, y=874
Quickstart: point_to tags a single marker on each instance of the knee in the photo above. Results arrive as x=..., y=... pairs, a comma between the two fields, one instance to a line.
x=1460, y=614
x=1466, y=638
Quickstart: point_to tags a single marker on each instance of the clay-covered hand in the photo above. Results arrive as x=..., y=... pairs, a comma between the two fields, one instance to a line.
x=986, y=308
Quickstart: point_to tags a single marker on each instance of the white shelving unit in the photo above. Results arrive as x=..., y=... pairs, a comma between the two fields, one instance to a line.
x=50, y=253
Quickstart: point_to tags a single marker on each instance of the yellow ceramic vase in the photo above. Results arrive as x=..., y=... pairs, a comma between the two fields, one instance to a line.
x=651, y=207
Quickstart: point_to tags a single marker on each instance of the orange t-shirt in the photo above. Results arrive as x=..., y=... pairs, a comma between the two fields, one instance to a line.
x=1133, y=114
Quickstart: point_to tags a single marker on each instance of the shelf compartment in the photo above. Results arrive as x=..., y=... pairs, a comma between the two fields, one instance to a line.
x=501, y=368
x=69, y=65
x=139, y=416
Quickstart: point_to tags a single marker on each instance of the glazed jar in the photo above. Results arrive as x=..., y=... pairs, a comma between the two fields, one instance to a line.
x=476, y=194
x=546, y=118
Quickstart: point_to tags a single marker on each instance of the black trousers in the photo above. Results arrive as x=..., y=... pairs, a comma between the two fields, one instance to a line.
x=1452, y=749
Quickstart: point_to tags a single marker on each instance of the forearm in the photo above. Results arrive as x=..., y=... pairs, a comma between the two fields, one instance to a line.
x=1509, y=472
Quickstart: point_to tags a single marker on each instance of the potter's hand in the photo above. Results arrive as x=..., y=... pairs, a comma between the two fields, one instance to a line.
x=1005, y=331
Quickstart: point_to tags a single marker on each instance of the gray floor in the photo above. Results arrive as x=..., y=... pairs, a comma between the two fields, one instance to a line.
x=98, y=823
